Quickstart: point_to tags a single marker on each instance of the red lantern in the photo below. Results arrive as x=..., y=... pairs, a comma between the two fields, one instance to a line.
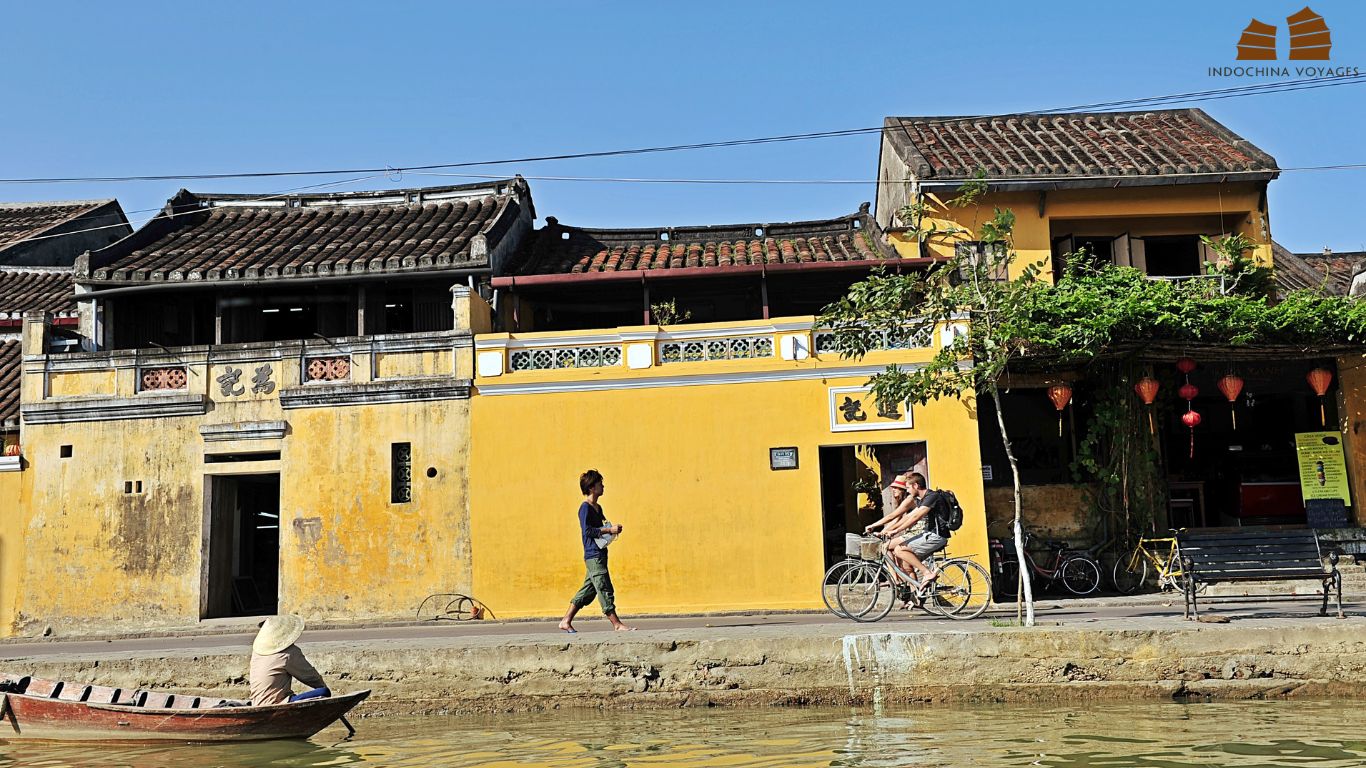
x=1192, y=420
x=1231, y=386
x=1185, y=365
x=1061, y=395
x=1188, y=392
x=1147, y=391
x=1319, y=379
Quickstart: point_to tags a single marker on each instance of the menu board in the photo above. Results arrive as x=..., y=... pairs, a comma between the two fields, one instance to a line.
x=1323, y=468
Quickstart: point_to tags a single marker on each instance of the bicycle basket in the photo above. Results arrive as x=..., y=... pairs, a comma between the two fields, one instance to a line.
x=870, y=549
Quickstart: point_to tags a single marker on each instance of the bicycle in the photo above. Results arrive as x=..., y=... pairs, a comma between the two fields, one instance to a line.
x=1131, y=570
x=1076, y=569
x=830, y=583
x=869, y=591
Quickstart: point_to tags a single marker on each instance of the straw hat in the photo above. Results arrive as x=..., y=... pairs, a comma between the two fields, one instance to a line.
x=898, y=482
x=277, y=633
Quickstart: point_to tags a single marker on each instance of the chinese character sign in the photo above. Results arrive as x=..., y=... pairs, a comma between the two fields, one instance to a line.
x=855, y=408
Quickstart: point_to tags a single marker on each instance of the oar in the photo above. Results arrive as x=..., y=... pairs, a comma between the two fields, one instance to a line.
x=351, y=731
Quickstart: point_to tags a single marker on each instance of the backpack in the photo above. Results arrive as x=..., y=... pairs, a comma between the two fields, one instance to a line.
x=951, y=512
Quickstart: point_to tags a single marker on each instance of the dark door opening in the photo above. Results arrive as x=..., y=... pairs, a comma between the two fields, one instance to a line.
x=854, y=479
x=1172, y=256
x=242, y=571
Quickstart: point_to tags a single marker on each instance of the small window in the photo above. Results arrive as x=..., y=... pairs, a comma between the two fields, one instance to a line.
x=1174, y=256
x=65, y=452
x=137, y=486
x=973, y=250
x=127, y=486
x=401, y=473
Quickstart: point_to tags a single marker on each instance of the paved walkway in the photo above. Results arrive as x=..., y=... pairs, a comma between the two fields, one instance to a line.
x=1139, y=613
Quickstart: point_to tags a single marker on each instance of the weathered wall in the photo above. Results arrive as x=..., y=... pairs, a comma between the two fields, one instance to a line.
x=777, y=665
x=13, y=500
x=708, y=525
x=1352, y=389
x=346, y=549
x=96, y=554
x=1052, y=511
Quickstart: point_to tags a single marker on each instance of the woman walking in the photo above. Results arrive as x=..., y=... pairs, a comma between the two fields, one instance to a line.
x=596, y=533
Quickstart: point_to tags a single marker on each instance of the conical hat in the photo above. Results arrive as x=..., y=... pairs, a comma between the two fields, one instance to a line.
x=277, y=633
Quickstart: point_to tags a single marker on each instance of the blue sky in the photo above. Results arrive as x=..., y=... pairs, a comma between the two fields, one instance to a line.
x=157, y=88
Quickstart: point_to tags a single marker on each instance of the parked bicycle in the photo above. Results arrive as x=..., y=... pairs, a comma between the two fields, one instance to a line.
x=869, y=590
x=1076, y=569
x=1151, y=556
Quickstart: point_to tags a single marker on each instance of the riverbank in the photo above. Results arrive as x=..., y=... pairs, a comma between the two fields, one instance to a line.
x=1141, y=652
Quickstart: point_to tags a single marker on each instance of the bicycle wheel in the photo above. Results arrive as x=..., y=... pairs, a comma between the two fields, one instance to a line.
x=866, y=592
x=1130, y=573
x=1007, y=582
x=1080, y=575
x=962, y=591
x=831, y=582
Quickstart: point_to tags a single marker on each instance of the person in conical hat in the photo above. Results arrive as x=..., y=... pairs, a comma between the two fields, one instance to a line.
x=276, y=662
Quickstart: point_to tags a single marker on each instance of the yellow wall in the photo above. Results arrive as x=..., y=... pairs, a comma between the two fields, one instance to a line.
x=13, y=500
x=708, y=525
x=1239, y=203
x=98, y=558
x=346, y=549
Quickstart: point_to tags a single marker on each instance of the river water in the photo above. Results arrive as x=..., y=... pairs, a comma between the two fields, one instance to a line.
x=1321, y=734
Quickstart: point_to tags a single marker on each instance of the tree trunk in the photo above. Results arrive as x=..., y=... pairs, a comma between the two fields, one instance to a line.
x=1026, y=591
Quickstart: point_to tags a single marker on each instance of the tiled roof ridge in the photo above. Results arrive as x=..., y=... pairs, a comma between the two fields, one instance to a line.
x=24, y=289
x=91, y=203
x=10, y=359
x=1328, y=272
x=560, y=249
x=211, y=238
x=1182, y=143
x=67, y=210
x=382, y=197
x=703, y=232
x=40, y=270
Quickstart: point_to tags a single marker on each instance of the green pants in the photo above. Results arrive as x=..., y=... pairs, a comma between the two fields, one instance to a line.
x=597, y=582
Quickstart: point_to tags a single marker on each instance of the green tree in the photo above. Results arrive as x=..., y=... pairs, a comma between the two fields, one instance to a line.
x=981, y=312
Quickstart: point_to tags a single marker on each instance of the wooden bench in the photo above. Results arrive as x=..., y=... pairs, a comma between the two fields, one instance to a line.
x=1272, y=553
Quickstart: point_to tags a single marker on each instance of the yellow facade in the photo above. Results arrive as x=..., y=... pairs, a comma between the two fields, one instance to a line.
x=684, y=448
x=114, y=508
x=1210, y=209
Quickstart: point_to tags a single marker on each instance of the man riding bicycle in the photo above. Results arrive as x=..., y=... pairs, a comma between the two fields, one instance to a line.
x=912, y=548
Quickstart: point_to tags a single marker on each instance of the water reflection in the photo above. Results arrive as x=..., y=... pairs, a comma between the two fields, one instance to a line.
x=1155, y=735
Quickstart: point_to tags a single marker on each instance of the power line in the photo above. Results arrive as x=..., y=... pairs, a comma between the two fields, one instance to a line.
x=1151, y=101
x=987, y=179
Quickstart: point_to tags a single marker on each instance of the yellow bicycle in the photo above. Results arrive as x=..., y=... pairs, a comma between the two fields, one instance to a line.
x=1159, y=555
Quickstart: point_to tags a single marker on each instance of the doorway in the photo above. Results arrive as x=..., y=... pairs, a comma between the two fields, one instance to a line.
x=854, y=479
x=242, y=558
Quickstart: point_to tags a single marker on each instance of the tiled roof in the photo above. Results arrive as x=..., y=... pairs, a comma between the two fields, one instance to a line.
x=237, y=237
x=559, y=249
x=1031, y=147
x=35, y=288
x=21, y=221
x=1330, y=271
x=9, y=384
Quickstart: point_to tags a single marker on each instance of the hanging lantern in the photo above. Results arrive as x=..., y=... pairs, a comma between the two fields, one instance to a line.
x=1185, y=365
x=1319, y=379
x=1061, y=395
x=1188, y=392
x=1147, y=391
x=1192, y=420
x=1231, y=386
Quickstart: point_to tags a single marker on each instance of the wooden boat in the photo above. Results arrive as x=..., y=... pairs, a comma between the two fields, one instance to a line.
x=34, y=708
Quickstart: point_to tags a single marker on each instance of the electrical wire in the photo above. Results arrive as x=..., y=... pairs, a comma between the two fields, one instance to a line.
x=1163, y=100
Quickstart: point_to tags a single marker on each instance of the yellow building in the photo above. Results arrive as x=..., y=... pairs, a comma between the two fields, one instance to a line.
x=337, y=405
x=685, y=365
x=272, y=415
x=1145, y=190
